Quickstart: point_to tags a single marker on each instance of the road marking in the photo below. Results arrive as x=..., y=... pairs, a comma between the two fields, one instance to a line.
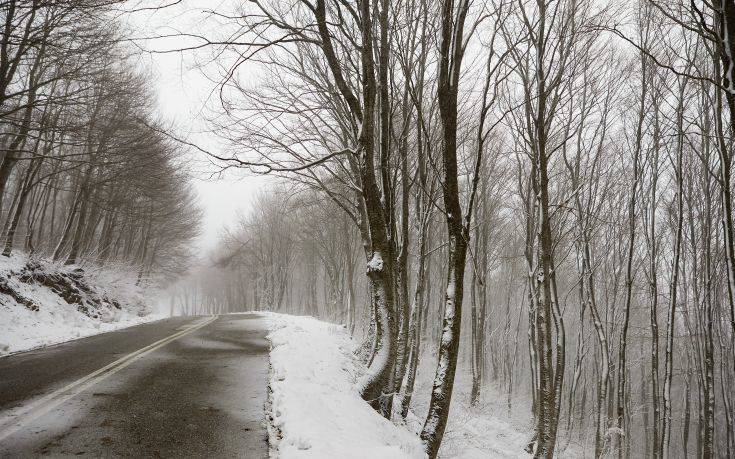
x=27, y=414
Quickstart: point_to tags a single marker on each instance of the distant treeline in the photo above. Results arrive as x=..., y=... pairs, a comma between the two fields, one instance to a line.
x=85, y=171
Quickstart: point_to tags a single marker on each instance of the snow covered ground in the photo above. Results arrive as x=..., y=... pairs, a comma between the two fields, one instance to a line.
x=112, y=301
x=487, y=430
x=315, y=408
x=491, y=429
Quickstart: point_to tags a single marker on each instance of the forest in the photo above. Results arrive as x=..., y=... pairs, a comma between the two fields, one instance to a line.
x=532, y=198
x=87, y=176
x=535, y=193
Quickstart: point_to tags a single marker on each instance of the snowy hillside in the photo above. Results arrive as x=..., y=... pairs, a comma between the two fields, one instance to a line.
x=43, y=303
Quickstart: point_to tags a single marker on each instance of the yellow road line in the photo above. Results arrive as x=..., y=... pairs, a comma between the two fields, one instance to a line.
x=29, y=413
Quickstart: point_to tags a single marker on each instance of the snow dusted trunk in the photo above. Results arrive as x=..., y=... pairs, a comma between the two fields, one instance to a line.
x=653, y=294
x=546, y=422
x=674, y=287
x=704, y=357
x=416, y=319
x=529, y=255
x=621, y=428
x=376, y=387
x=479, y=303
x=404, y=303
x=544, y=272
x=451, y=50
x=604, y=377
x=424, y=212
x=441, y=393
x=725, y=12
x=474, y=337
x=588, y=298
x=350, y=282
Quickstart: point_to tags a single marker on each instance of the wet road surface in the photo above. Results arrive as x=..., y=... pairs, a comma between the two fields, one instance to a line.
x=180, y=387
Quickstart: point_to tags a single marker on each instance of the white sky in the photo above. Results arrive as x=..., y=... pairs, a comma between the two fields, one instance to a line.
x=182, y=92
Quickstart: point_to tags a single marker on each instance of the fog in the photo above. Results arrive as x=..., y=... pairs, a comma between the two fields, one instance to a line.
x=186, y=90
x=520, y=210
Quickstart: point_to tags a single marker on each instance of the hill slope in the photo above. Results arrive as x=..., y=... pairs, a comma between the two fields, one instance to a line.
x=43, y=303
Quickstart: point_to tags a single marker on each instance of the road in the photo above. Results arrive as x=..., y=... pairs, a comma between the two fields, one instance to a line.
x=180, y=387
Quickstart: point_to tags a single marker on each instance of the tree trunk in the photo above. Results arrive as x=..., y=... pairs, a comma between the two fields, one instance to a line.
x=451, y=50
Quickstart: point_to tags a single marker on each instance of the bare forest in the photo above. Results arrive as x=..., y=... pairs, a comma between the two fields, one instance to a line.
x=536, y=194
x=85, y=175
x=532, y=199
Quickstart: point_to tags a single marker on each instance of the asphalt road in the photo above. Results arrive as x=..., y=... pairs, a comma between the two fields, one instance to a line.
x=181, y=387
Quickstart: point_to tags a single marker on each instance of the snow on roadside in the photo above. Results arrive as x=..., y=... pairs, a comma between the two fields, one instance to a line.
x=56, y=320
x=315, y=408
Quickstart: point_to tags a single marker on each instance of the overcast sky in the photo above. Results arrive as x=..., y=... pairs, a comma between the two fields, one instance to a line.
x=183, y=92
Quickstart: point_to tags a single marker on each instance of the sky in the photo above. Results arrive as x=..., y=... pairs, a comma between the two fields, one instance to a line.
x=183, y=92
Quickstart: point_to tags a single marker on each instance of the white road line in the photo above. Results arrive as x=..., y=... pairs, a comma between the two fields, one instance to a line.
x=29, y=413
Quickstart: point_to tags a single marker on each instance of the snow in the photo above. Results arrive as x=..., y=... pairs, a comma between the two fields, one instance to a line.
x=376, y=262
x=730, y=63
x=488, y=430
x=474, y=432
x=452, y=287
x=315, y=407
x=316, y=411
x=56, y=320
x=380, y=360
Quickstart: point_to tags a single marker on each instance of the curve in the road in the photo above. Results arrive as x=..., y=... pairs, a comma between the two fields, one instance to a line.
x=196, y=392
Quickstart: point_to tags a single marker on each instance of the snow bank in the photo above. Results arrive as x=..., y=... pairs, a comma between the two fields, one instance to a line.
x=315, y=408
x=43, y=303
